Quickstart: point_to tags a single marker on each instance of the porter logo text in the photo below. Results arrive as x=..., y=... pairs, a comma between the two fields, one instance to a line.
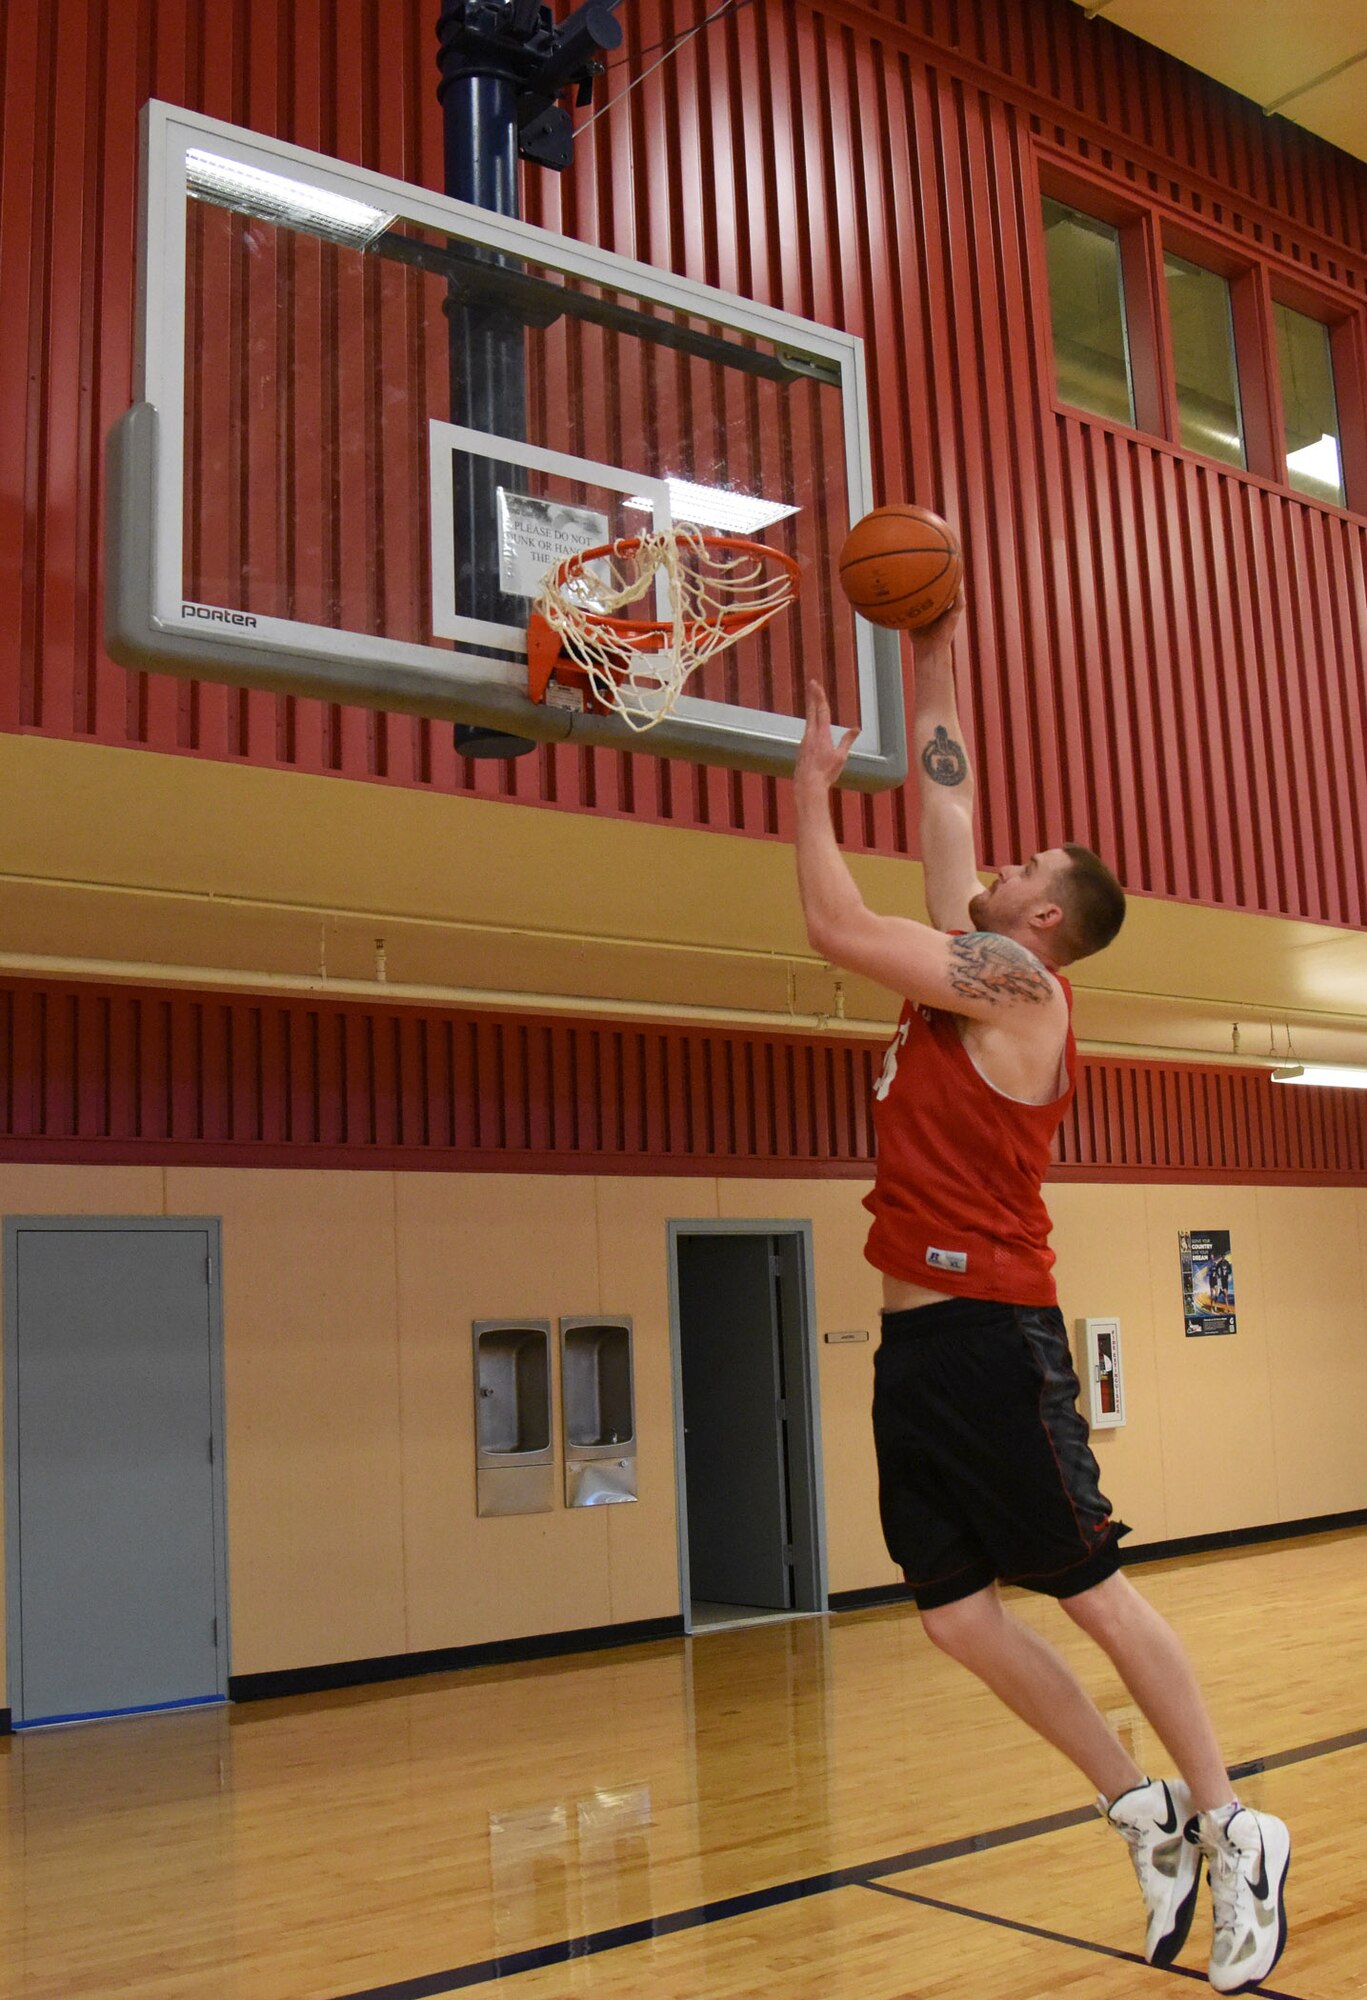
x=215, y=616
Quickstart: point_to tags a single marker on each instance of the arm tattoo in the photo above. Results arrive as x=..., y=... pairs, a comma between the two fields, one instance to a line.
x=943, y=759
x=984, y=966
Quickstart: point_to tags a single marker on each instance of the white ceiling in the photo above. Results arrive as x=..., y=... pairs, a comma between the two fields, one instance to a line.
x=1306, y=59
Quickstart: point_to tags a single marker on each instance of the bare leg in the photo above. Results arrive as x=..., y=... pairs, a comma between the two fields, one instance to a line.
x=1025, y=1672
x=1148, y=1656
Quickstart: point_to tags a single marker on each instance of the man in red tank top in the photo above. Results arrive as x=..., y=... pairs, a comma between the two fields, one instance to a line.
x=985, y=1471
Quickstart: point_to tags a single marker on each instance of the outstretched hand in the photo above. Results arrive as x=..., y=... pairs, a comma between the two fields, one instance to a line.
x=821, y=758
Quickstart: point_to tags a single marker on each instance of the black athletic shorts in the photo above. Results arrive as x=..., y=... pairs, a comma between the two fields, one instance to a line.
x=984, y=1469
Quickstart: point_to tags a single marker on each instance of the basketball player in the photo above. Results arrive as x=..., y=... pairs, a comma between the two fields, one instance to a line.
x=1221, y=1284
x=985, y=1471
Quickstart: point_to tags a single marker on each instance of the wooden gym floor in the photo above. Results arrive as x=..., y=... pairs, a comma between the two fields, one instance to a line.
x=818, y=1810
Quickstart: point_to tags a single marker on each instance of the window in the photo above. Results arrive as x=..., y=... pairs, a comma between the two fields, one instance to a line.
x=1306, y=367
x=1087, y=301
x=1201, y=316
x=1171, y=326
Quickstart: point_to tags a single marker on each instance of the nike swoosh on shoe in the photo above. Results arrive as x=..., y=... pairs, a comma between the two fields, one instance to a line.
x=1260, y=1886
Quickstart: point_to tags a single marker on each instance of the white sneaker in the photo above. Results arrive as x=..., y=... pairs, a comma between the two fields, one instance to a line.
x=1248, y=1855
x=1152, y=1820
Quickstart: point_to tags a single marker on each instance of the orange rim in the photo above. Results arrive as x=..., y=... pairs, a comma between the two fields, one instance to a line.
x=662, y=629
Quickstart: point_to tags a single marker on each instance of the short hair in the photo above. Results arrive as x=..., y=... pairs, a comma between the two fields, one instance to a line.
x=1093, y=903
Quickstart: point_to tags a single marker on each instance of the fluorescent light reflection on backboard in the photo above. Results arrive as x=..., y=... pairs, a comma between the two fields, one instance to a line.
x=718, y=507
x=275, y=198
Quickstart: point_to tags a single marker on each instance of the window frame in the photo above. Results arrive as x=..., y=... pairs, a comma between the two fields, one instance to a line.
x=1347, y=350
x=1150, y=369
x=1250, y=383
x=1257, y=277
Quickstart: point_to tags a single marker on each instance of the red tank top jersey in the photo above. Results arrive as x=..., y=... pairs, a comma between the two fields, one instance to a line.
x=957, y=1203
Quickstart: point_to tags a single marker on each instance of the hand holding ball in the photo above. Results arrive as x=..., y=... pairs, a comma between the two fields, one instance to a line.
x=901, y=567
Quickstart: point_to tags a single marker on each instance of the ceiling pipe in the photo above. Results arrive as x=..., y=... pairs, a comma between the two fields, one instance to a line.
x=1252, y=1013
x=122, y=972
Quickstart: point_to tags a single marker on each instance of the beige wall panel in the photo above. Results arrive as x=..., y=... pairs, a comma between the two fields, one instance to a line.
x=72, y=1191
x=1217, y=1434
x=1315, y=1287
x=848, y=1292
x=315, y=1535
x=350, y=1449
x=1101, y=1241
x=489, y=1246
x=633, y=1216
x=83, y=1191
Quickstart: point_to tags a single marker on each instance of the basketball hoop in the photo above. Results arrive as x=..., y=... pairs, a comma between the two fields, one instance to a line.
x=720, y=588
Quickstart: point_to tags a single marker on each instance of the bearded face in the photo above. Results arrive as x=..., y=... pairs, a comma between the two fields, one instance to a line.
x=1019, y=890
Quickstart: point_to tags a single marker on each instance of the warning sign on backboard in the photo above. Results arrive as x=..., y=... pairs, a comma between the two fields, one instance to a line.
x=533, y=534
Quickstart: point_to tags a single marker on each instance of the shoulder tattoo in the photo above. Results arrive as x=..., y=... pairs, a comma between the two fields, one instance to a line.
x=984, y=966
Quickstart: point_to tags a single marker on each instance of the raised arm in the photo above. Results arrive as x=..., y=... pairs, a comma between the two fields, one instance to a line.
x=944, y=778
x=983, y=976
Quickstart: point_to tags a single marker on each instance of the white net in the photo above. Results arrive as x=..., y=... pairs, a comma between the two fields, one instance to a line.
x=716, y=591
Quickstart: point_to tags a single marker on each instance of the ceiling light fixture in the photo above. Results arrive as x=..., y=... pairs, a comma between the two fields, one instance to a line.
x=1326, y=1076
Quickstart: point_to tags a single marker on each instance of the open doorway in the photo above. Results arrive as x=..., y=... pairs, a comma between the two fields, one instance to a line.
x=747, y=1426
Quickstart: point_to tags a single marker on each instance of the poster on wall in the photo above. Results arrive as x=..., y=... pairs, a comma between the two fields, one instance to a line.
x=1207, y=1281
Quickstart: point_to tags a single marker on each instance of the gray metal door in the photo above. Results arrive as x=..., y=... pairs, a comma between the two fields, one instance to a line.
x=115, y=1561
x=735, y=1446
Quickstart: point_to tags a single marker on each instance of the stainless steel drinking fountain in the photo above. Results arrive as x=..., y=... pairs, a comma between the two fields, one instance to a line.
x=599, y=1410
x=513, y=1469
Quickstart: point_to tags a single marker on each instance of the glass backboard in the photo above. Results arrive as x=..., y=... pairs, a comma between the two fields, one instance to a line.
x=368, y=418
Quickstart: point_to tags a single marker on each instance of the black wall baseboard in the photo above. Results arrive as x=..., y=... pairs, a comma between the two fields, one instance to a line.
x=1244, y=1538
x=449, y=1659
x=600, y=1638
x=865, y=1600
x=1142, y=1552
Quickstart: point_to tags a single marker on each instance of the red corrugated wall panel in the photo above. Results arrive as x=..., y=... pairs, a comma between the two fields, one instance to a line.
x=117, y=1074
x=1161, y=649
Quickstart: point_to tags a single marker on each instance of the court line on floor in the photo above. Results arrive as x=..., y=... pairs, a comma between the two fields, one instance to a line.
x=861, y=1875
x=428, y=1986
x=1353, y=1740
x=1050, y=1937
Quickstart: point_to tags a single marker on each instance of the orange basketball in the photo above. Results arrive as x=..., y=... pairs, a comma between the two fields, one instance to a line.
x=901, y=566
